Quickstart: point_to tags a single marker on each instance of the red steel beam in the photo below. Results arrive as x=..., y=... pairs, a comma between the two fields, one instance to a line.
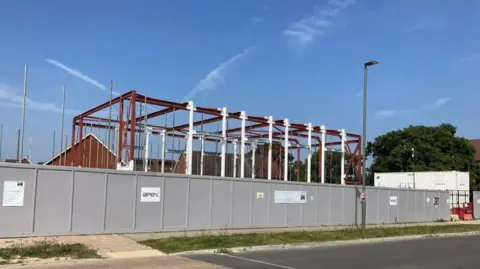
x=103, y=106
x=155, y=114
x=214, y=119
x=133, y=102
x=99, y=119
x=120, y=132
x=158, y=102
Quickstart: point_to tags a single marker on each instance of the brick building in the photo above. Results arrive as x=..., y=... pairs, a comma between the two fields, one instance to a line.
x=476, y=144
x=95, y=154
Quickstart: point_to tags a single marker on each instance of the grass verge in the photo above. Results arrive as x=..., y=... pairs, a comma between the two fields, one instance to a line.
x=225, y=241
x=46, y=249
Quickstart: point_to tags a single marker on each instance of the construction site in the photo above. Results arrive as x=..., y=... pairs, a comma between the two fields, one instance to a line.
x=140, y=133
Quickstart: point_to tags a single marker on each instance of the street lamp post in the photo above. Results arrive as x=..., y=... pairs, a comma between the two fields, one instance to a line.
x=364, y=142
x=413, y=167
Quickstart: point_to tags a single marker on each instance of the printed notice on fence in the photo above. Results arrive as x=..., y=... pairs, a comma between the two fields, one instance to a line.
x=393, y=200
x=13, y=193
x=150, y=195
x=290, y=197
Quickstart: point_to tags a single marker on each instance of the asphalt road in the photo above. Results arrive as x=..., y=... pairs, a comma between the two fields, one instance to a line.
x=427, y=253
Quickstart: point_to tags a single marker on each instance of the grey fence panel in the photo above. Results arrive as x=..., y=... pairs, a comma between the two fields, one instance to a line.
x=148, y=216
x=242, y=191
x=394, y=209
x=383, y=214
x=222, y=198
x=18, y=221
x=176, y=204
x=277, y=211
x=372, y=206
x=429, y=210
x=349, y=212
x=411, y=208
x=323, y=205
x=88, y=202
x=120, y=203
x=62, y=200
x=423, y=202
x=336, y=205
x=199, y=207
x=309, y=210
x=53, y=201
x=476, y=204
x=260, y=200
x=403, y=202
x=294, y=211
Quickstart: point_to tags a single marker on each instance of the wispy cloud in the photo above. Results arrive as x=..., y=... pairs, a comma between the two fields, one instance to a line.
x=216, y=76
x=437, y=103
x=78, y=74
x=304, y=31
x=424, y=25
x=255, y=19
x=469, y=58
x=12, y=98
x=386, y=114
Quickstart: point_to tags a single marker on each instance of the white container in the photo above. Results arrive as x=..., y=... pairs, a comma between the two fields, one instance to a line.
x=458, y=183
x=451, y=180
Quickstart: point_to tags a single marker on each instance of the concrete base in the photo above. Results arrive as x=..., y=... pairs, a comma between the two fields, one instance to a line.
x=121, y=166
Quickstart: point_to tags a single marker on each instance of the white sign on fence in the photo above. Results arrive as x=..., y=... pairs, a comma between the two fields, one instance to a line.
x=290, y=197
x=149, y=194
x=13, y=193
x=393, y=200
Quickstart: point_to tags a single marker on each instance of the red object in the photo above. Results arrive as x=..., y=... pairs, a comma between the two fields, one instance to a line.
x=465, y=212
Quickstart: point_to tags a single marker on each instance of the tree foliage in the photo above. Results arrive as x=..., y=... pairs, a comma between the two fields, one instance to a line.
x=436, y=149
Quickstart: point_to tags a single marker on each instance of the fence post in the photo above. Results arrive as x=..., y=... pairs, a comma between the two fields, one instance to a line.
x=72, y=197
x=34, y=198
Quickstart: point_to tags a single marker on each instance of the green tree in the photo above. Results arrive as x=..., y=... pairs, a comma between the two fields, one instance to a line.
x=436, y=149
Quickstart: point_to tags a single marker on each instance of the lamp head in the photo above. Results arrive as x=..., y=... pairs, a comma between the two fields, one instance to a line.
x=370, y=63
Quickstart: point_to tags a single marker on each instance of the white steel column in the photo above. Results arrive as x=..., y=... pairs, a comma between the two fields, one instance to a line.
x=322, y=152
x=202, y=154
x=189, y=158
x=254, y=148
x=147, y=151
x=342, y=161
x=164, y=135
x=224, y=140
x=235, y=158
x=243, y=139
x=309, y=157
x=270, y=145
x=285, y=164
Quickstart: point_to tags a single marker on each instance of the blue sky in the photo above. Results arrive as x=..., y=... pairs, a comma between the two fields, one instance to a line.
x=302, y=60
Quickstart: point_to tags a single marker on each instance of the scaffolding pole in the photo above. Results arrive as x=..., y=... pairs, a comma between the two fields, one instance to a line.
x=309, y=157
x=234, y=158
x=62, y=125
x=342, y=161
x=224, y=140
x=270, y=145
x=23, y=111
x=322, y=154
x=243, y=139
x=163, y=150
x=191, y=109
x=285, y=164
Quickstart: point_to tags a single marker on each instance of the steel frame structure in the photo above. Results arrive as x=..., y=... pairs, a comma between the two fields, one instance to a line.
x=129, y=123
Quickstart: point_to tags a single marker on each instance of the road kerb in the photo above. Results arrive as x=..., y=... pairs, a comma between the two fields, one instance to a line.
x=319, y=244
x=133, y=254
